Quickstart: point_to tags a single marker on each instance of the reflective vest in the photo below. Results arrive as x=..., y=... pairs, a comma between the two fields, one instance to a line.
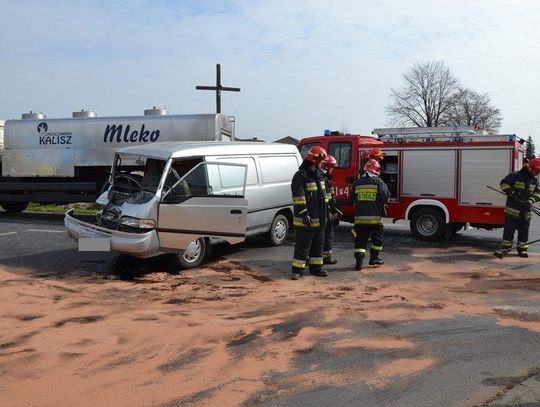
x=370, y=196
x=309, y=194
x=526, y=188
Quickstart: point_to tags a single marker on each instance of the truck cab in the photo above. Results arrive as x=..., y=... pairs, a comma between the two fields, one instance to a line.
x=346, y=149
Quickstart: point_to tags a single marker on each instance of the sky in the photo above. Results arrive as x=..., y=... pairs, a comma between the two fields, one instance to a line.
x=302, y=66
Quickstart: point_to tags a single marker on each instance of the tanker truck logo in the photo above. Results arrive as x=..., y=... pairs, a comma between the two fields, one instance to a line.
x=42, y=128
x=120, y=134
x=52, y=137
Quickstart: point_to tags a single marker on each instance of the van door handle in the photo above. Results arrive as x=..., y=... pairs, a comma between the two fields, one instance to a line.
x=236, y=211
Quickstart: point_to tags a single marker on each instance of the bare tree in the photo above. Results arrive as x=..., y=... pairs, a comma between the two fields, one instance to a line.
x=426, y=97
x=471, y=108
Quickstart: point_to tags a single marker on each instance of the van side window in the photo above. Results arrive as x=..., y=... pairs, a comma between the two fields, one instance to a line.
x=342, y=153
x=251, y=170
x=305, y=148
x=278, y=169
x=207, y=180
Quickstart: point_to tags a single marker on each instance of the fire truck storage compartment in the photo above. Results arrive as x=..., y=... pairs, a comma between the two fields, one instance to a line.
x=479, y=168
x=390, y=173
x=429, y=173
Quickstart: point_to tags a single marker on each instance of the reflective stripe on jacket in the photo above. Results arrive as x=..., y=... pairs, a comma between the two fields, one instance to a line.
x=370, y=196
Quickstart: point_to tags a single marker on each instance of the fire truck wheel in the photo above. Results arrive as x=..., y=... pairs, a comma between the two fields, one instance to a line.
x=193, y=255
x=428, y=224
x=279, y=230
x=14, y=207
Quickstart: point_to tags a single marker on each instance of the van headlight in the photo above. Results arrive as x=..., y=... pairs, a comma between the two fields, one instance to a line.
x=137, y=223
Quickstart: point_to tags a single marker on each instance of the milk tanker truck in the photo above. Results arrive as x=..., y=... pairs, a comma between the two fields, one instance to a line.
x=68, y=160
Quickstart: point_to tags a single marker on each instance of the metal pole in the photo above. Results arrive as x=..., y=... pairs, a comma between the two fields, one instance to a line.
x=218, y=88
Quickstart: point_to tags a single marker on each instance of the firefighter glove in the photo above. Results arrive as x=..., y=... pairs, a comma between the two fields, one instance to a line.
x=306, y=220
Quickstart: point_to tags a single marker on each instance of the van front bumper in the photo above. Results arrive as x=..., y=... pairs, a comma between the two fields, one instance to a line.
x=135, y=244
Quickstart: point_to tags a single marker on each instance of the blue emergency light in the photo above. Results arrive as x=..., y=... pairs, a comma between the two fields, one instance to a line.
x=327, y=132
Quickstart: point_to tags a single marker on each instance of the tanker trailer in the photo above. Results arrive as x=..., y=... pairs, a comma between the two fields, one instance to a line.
x=68, y=160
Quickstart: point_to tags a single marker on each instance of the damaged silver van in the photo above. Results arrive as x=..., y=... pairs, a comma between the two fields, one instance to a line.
x=179, y=197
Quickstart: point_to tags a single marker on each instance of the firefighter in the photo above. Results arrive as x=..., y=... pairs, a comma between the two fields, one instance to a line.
x=370, y=197
x=334, y=213
x=521, y=188
x=373, y=154
x=310, y=214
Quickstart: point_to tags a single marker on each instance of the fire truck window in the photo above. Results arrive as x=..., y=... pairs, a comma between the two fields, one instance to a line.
x=390, y=173
x=341, y=152
x=305, y=148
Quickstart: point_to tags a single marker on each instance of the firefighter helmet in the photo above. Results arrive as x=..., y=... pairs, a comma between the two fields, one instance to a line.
x=316, y=154
x=376, y=153
x=329, y=162
x=373, y=167
x=534, y=166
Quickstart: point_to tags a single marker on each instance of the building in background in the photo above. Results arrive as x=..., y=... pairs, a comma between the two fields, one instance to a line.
x=288, y=140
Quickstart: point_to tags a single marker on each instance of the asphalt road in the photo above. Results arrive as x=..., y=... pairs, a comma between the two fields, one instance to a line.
x=477, y=357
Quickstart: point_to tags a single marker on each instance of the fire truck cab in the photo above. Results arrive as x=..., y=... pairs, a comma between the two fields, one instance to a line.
x=438, y=177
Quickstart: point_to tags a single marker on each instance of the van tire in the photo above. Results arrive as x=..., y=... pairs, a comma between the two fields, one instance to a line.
x=194, y=255
x=14, y=207
x=427, y=224
x=279, y=230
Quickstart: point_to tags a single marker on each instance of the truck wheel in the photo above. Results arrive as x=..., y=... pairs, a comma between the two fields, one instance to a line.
x=428, y=224
x=279, y=230
x=14, y=207
x=193, y=255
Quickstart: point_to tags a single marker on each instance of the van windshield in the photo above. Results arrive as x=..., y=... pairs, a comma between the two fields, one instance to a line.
x=137, y=174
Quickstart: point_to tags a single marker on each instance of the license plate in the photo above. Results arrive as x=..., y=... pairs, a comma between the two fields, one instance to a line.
x=95, y=244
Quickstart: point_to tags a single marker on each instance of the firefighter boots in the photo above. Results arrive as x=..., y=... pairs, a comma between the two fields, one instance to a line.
x=297, y=273
x=319, y=272
x=329, y=260
x=500, y=253
x=374, y=259
x=522, y=250
x=359, y=260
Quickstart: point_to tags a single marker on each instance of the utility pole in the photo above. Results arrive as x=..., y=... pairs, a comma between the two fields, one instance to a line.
x=218, y=88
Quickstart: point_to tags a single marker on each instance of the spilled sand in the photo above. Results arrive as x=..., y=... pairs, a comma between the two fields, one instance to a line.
x=225, y=334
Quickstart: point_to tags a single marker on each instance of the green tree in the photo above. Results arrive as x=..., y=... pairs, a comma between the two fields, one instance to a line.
x=530, y=153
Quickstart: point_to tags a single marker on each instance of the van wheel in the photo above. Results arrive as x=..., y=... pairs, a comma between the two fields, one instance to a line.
x=279, y=230
x=428, y=224
x=14, y=207
x=193, y=255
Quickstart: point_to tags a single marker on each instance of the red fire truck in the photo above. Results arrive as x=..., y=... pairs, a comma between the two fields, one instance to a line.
x=438, y=177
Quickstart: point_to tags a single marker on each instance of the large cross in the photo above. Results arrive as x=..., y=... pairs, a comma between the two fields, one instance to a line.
x=218, y=88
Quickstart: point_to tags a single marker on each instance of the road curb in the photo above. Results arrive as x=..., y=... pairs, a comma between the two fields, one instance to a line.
x=524, y=394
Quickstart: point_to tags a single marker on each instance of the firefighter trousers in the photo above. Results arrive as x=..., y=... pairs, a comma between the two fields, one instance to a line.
x=328, y=239
x=511, y=224
x=309, y=242
x=362, y=233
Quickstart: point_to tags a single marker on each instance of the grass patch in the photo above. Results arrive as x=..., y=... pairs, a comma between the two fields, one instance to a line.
x=80, y=209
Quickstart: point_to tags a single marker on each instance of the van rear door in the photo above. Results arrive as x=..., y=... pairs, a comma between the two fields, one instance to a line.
x=208, y=201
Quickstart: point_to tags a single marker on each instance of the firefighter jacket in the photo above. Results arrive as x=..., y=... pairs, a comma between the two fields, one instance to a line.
x=370, y=197
x=309, y=193
x=330, y=196
x=522, y=190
